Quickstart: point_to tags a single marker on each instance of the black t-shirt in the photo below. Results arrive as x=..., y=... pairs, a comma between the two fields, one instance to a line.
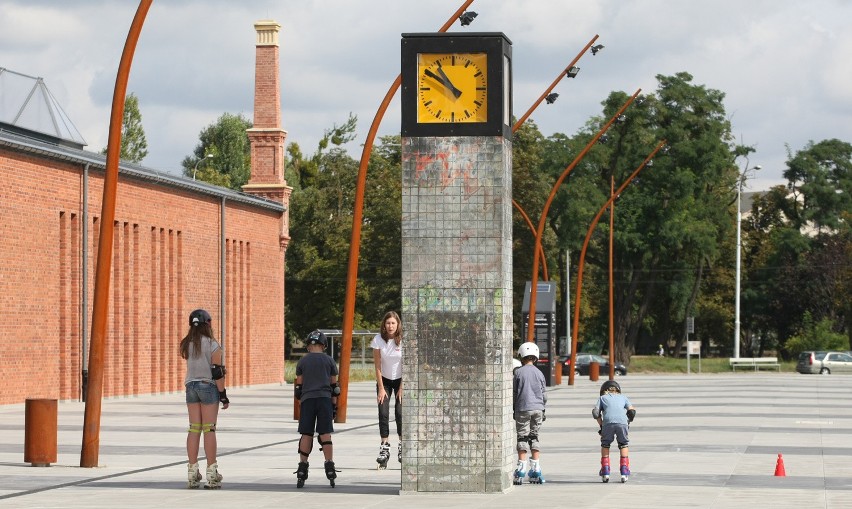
x=316, y=370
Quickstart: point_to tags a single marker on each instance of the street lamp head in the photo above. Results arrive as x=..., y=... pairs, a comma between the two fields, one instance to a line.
x=757, y=166
x=195, y=169
x=551, y=98
x=603, y=139
x=467, y=18
x=573, y=72
x=596, y=48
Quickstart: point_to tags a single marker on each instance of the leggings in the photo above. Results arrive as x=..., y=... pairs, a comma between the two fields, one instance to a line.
x=391, y=389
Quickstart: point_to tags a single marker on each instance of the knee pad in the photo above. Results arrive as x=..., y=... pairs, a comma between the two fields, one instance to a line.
x=310, y=446
x=321, y=443
x=605, y=446
x=622, y=445
x=523, y=443
x=194, y=427
x=533, y=441
x=208, y=428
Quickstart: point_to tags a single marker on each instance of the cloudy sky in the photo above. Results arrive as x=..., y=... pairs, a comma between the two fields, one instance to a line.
x=783, y=64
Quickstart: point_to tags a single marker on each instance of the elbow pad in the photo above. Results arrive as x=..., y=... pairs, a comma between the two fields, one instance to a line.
x=297, y=390
x=218, y=371
x=596, y=413
x=335, y=389
x=630, y=415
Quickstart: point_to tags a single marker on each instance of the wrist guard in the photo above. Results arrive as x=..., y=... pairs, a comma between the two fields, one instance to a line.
x=223, y=397
x=630, y=415
x=297, y=391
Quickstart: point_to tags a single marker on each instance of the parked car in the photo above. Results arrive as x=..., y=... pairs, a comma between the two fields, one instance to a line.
x=824, y=363
x=583, y=361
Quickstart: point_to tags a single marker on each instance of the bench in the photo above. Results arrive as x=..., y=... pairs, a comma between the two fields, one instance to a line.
x=754, y=362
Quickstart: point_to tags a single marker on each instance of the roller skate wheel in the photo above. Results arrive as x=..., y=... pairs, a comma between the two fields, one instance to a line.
x=623, y=478
x=605, y=478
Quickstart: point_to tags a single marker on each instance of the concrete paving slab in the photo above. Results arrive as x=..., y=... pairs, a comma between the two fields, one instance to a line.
x=706, y=441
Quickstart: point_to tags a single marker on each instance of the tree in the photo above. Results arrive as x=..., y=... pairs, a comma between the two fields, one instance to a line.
x=800, y=240
x=820, y=178
x=228, y=142
x=134, y=146
x=321, y=208
x=668, y=224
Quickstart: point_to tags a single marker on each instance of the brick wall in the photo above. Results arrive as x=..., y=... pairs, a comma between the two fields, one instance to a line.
x=165, y=264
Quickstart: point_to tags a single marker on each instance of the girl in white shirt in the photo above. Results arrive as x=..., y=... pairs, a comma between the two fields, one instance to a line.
x=387, y=358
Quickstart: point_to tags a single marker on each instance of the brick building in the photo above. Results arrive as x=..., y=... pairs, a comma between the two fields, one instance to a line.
x=178, y=244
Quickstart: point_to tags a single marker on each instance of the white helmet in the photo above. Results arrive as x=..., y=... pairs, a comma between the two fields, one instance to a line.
x=528, y=349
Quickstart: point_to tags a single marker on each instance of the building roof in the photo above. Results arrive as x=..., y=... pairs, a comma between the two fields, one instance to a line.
x=39, y=147
x=26, y=105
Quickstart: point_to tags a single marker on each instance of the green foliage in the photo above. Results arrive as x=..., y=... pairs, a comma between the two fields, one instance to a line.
x=815, y=335
x=668, y=222
x=820, y=177
x=228, y=143
x=321, y=212
x=134, y=145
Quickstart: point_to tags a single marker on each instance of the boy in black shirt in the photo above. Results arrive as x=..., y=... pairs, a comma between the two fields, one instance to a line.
x=316, y=388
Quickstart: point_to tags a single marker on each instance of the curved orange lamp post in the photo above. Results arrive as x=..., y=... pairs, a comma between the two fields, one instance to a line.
x=552, y=85
x=355, y=242
x=611, y=290
x=539, y=250
x=579, y=290
x=94, y=392
x=540, y=231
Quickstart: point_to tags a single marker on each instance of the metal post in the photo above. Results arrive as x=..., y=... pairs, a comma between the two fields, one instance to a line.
x=92, y=415
x=739, y=257
x=742, y=180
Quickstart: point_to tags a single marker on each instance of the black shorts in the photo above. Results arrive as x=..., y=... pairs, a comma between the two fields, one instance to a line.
x=316, y=414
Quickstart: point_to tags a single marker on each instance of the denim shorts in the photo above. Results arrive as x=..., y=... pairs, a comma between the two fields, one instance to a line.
x=205, y=393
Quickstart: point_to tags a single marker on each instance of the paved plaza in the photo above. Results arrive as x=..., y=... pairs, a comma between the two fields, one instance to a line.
x=698, y=441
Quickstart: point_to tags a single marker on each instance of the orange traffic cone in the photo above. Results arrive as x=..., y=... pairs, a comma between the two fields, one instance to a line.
x=779, y=467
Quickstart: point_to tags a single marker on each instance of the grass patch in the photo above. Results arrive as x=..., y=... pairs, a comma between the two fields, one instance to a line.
x=656, y=364
x=357, y=372
x=638, y=364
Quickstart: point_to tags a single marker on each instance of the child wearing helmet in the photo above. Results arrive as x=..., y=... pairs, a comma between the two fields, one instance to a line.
x=205, y=388
x=614, y=413
x=529, y=397
x=316, y=389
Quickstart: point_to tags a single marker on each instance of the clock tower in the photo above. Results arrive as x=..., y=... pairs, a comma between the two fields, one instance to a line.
x=458, y=432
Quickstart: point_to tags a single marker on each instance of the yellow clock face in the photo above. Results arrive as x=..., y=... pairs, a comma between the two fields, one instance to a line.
x=452, y=87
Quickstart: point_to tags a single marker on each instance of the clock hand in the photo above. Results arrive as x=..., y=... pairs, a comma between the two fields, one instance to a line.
x=445, y=80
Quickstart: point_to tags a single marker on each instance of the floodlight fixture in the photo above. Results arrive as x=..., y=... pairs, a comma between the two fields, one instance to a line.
x=551, y=98
x=572, y=72
x=467, y=18
x=596, y=48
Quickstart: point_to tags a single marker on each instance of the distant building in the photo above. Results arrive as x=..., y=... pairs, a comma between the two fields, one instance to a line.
x=178, y=244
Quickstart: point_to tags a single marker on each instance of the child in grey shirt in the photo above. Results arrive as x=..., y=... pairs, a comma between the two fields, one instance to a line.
x=529, y=401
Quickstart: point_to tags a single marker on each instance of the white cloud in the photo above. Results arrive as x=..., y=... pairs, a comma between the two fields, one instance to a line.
x=782, y=64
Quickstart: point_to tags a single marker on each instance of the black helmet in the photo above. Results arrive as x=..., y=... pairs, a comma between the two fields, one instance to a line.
x=610, y=384
x=199, y=316
x=317, y=338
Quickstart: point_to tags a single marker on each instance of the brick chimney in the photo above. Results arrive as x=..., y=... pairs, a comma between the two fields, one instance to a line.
x=266, y=136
